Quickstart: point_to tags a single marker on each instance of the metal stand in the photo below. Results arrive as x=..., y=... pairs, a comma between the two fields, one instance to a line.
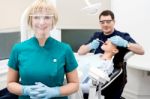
x=93, y=93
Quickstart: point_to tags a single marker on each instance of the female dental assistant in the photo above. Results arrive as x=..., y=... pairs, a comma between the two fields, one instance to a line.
x=37, y=66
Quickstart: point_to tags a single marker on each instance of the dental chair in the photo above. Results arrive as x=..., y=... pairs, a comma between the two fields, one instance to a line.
x=99, y=82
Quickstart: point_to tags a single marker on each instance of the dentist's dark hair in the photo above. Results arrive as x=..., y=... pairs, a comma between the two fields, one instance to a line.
x=107, y=13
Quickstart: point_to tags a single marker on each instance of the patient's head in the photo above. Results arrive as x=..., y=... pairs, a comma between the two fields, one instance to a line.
x=109, y=47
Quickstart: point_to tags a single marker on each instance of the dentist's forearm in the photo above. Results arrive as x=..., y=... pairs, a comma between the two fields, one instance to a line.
x=136, y=48
x=84, y=49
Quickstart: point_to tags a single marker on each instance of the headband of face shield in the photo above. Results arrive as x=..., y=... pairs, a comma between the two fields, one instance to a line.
x=40, y=16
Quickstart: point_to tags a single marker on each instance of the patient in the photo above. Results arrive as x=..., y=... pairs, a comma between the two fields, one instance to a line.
x=104, y=62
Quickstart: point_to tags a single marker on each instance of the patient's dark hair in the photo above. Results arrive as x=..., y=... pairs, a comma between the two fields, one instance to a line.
x=119, y=63
x=119, y=57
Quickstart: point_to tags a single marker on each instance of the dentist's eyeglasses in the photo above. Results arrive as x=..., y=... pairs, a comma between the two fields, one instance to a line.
x=105, y=21
x=44, y=17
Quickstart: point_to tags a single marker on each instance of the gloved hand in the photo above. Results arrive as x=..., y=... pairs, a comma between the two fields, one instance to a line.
x=118, y=41
x=45, y=92
x=94, y=44
x=28, y=90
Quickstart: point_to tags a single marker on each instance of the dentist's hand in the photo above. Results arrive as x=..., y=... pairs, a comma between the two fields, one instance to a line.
x=94, y=44
x=45, y=92
x=118, y=41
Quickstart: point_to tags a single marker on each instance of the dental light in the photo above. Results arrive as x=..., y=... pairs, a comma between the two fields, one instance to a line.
x=91, y=9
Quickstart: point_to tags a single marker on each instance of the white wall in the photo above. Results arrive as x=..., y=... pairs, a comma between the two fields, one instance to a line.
x=11, y=11
x=71, y=16
x=133, y=16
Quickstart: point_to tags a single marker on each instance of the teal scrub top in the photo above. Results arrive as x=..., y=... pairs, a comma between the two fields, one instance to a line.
x=46, y=64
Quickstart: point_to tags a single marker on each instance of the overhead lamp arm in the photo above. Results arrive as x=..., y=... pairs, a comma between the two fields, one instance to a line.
x=91, y=9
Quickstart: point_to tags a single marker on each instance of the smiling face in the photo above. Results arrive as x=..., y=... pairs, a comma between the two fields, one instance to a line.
x=107, y=24
x=42, y=24
x=42, y=18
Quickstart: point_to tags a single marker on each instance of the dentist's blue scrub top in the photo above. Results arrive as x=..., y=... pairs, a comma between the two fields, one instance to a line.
x=46, y=64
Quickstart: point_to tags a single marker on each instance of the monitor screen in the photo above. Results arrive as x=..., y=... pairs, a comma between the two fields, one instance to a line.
x=7, y=40
x=76, y=37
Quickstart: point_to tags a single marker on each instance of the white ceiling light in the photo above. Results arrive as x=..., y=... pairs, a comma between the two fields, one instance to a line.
x=91, y=9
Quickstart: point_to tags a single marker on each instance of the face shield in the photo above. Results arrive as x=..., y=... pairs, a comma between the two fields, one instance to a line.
x=24, y=28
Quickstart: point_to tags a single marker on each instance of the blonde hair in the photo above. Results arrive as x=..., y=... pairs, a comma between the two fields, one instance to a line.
x=39, y=6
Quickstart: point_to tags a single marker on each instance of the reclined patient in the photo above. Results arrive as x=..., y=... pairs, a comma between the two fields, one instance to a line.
x=104, y=62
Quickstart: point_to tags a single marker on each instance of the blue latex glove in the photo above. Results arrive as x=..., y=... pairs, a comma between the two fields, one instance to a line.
x=118, y=41
x=28, y=90
x=45, y=92
x=94, y=44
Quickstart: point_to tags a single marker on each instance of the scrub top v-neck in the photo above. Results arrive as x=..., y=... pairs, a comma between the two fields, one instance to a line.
x=46, y=64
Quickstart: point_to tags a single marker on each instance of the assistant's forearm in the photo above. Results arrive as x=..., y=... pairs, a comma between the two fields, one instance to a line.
x=14, y=88
x=69, y=89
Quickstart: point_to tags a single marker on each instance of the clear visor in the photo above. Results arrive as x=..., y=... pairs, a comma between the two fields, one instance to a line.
x=39, y=17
